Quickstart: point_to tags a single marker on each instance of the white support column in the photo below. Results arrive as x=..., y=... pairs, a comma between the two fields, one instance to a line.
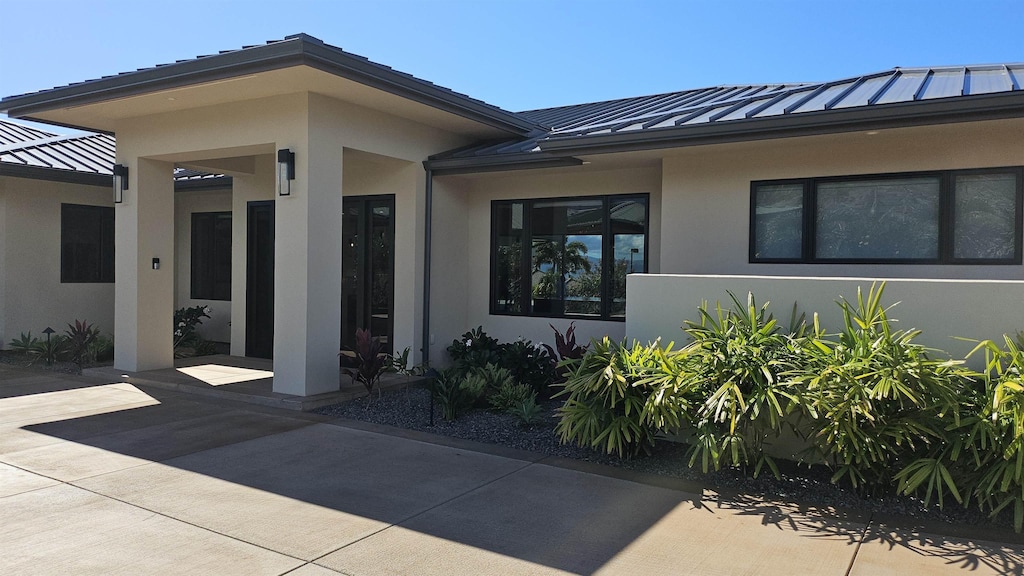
x=307, y=275
x=144, y=297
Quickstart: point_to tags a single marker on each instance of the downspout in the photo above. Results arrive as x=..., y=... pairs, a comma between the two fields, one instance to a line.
x=426, y=264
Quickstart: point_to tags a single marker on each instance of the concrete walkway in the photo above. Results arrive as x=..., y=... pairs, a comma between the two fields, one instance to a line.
x=99, y=478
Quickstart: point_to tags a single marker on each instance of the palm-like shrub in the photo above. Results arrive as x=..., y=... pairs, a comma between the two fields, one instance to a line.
x=982, y=457
x=873, y=397
x=731, y=371
x=619, y=397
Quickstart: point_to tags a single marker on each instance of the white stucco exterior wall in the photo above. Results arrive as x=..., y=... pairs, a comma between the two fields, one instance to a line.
x=946, y=311
x=32, y=296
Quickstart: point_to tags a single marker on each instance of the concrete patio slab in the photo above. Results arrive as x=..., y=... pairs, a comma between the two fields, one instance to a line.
x=20, y=435
x=66, y=530
x=893, y=552
x=313, y=570
x=49, y=404
x=569, y=522
x=101, y=454
x=15, y=481
x=306, y=492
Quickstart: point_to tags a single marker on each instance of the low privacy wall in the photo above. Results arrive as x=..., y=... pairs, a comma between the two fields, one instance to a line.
x=944, y=310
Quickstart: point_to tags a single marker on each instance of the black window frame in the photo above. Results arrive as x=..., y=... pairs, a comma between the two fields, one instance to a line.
x=607, y=255
x=206, y=263
x=103, y=216
x=946, y=224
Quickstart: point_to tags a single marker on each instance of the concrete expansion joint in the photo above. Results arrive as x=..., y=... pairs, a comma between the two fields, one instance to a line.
x=860, y=542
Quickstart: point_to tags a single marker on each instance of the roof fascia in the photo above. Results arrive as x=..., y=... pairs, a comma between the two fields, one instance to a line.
x=55, y=175
x=898, y=115
x=295, y=51
x=441, y=167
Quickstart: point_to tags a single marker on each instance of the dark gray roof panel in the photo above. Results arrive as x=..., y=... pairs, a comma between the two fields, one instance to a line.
x=721, y=105
x=291, y=51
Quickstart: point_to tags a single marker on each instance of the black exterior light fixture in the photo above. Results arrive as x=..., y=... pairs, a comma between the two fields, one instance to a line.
x=285, y=171
x=120, y=182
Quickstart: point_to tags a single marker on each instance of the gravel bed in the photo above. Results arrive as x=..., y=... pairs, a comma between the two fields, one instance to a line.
x=409, y=408
x=21, y=360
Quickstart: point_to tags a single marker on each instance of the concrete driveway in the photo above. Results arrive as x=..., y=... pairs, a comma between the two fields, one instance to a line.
x=99, y=478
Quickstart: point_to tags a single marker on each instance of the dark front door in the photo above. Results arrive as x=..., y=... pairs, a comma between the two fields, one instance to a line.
x=368, y=268
x=259, y=301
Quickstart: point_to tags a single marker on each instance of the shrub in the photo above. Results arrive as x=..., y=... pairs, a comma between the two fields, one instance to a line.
x=510, y=395
x=79, y=337
x=366, y=362
x=566, y=351
x=527, y=411
x=620, y=397
x=529, y=364
x=475, y=349
x=25, y=343
x=731, y=372
x=186, y=320
x=101, y=349
x=982, y=455
x=873, y=397
x=457, y=393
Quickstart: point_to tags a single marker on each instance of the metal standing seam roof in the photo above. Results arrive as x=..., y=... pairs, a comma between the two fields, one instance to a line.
x=90, y=155
x=11, y=133
x=296, y=49
x=722, y=106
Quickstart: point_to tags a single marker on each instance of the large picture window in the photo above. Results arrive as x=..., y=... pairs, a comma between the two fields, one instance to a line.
x=86, y=243
x=211, y=255
x=949, y=217
x=566, y=257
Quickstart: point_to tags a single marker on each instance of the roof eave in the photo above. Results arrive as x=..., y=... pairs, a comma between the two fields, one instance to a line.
x=55, y=174
x=523, y=161
x=295, y=51
x=899, y=115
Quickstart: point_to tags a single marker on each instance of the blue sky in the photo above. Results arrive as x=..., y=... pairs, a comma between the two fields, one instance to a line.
x=523, y=54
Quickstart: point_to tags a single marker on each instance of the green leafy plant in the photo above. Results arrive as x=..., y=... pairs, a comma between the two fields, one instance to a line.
x=509, y=395
x=101, y=349
x=619, y=397
x=528, y=364
x=475, y=349
x=456, y=393
x=402, y=364
x=186, y=339
x=731, y=371
x=874, y=397
x=366, y=361
x=79, y=337
x=982, y=455
x=25, y=343
x=527, y=411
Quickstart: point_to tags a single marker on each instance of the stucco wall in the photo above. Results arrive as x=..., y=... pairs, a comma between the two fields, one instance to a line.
x=944, y=310
x=33, y=295
x=706, y=191
x=460, y=275
x=218, y=326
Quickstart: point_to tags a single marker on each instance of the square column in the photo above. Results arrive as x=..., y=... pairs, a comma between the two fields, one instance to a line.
x=144, y=297
x=307, y=273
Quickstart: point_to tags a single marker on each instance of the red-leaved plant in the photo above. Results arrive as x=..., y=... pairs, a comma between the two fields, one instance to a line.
x=367, y=362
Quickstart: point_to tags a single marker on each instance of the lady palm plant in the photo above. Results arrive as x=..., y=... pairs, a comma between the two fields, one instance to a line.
x=983, y=455
x=731, y=373
x=873, y=397
x=619, y=397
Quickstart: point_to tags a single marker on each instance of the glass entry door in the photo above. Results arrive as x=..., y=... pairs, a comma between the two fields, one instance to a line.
x=368, y=268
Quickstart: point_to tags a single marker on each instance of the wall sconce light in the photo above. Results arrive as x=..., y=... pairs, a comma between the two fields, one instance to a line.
x=120, y=182
x=285, y=171
x=156, y=263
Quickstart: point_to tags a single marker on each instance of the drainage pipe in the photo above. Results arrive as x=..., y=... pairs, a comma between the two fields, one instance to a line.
x=426, y=263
